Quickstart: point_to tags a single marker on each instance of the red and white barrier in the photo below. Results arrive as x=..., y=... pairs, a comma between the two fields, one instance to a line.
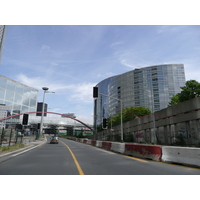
x=88, y=141
x=144, y=151
x=118, y=147
x=106, y=145
x=98, y=143
x=93, y=142
x=182, y=155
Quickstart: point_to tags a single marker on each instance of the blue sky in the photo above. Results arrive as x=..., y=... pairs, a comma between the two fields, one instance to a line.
x=71, y=59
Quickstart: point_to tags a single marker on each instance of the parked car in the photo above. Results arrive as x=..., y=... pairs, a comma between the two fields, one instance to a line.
x=54, y=140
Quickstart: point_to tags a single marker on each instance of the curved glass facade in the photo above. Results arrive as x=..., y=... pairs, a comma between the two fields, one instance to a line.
x=20, y=98
x=150, y=87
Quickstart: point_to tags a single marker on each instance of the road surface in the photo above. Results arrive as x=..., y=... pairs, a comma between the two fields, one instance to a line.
x=73, y=158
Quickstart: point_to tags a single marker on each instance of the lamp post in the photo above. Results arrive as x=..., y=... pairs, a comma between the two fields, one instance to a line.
x=120, y=113
x=42, y=116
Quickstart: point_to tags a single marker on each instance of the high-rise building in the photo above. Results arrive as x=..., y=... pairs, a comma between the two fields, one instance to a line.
x=150, y=87
x=2, y=36
x=19, y=97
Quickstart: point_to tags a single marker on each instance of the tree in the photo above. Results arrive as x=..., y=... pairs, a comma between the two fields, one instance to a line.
x=133, y=112
x=189, y=91
x=128, y=114
x=174, y=100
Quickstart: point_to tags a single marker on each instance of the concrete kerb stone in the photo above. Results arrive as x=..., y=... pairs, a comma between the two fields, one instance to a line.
x=29, y=145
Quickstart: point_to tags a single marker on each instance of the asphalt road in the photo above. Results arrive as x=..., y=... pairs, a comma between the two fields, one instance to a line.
x=73, y=158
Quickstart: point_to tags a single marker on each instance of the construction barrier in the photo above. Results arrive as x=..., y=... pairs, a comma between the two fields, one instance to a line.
x=98, y=143
x=106, y=145
x=182, y=155
x=144, y=151
x=88, y=141
x=118, y=147
x=93, y=142
x=85, y=141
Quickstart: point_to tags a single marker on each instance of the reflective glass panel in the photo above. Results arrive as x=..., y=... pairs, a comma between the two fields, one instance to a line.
x=2, y=93
x=19, y=89
x=3, y=82
x=11, y=85
x=25, y=101
x=33, y=94
x=27, y=91
x=24, y=109
x=32, y=103
x=9, y=95
x=18, y=98
x=16, y=109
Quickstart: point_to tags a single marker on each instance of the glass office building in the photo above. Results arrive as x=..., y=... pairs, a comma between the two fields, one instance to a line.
x=2, y=36
x=19, y=97
x=150, y=87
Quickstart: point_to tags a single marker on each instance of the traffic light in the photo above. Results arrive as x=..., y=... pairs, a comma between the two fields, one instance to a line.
x=38, y=126
x=95, y=92
x=25, y=119
x=105, y=123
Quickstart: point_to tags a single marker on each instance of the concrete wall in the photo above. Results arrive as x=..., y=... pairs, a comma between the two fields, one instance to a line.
x=178, y=124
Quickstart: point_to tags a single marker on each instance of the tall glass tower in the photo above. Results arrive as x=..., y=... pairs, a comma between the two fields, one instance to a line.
x=150, y=87
x=2, y=36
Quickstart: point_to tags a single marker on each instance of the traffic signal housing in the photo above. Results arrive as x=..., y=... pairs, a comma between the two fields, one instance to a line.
x=25, y=119
x=38, y=126
x=105, y=123
x=95, y=92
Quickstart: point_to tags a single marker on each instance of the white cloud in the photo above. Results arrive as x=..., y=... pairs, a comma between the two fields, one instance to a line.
x=115, y=44
x=76, y=92
x=125, y=62
x=105, y=75
x=83, y=92
x=39, y=82
x=45, y=47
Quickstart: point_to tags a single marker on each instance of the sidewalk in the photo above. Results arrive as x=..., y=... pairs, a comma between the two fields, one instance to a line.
x=28, y=145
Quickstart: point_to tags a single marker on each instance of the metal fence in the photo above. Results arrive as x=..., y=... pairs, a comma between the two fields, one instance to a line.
x=10, y=136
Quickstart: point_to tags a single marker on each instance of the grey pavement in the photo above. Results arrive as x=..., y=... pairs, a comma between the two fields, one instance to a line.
x=32, y=144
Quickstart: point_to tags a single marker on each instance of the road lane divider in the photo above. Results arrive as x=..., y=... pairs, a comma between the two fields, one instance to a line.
x=24, y=151
x=75, y=160
x=135, y=158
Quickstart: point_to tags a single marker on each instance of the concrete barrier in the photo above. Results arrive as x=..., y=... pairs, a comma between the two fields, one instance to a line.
x=181, y=155
x=88, y=141
x=85, y=141
x=144, y=151
x=118, y=147
x=98, y=143
x=81, y=140
x=106, y=145
x=93, y=142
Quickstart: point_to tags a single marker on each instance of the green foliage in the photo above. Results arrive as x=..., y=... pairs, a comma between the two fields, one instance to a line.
x=12, y=148
x=134, y=112
x=189, y=91
x=128, y=137
x=128, y=114
x=174, y=100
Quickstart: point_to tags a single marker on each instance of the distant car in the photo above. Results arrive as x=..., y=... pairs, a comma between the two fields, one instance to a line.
x=54, y=140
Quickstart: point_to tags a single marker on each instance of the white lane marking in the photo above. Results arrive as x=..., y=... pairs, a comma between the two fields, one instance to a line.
x=106, y=151
x=25, y=151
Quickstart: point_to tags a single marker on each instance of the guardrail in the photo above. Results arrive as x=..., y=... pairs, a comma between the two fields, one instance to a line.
x=170, y=154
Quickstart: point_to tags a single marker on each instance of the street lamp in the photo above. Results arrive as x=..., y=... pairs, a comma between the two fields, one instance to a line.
x=42, y=116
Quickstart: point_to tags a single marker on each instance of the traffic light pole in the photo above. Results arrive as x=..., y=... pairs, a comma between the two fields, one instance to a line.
x=120, y=113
